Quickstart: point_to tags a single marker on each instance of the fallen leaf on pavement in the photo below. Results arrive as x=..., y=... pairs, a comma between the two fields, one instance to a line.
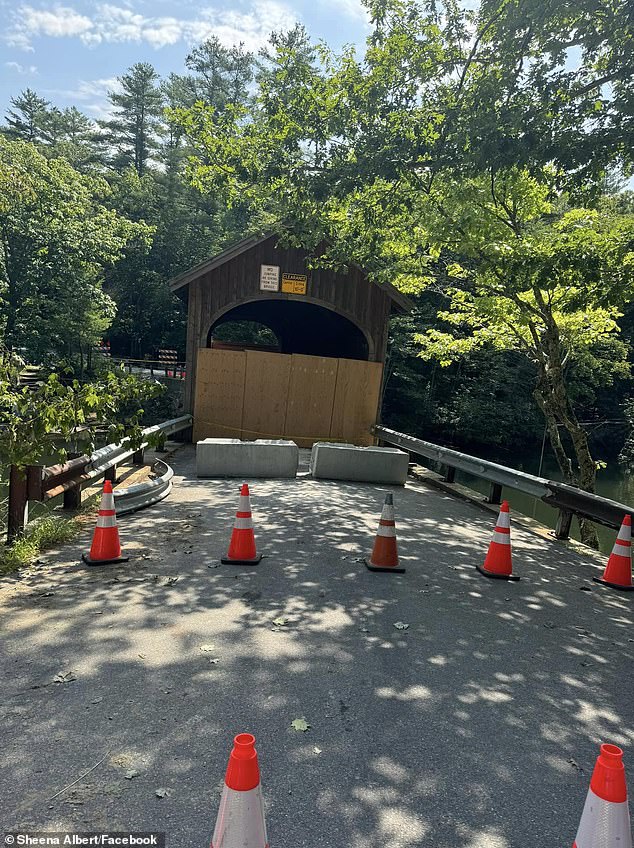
x=316, y=750
x=163, y=793
x=65, y=677
x=130, y=773
x=207, y=649
x=400, y=625
x=300, y=724
x=280, y=621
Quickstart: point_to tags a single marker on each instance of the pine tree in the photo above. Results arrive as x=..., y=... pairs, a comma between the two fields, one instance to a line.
x=28, y=117
x=133, y=131
x=221, y=74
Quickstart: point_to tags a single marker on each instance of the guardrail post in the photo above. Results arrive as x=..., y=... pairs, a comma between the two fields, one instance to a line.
x=111, y=474
x=18, y=514
x=72, y=498
x=450, y=474
x=495, y=494
x=564, y=523
x=138, y=458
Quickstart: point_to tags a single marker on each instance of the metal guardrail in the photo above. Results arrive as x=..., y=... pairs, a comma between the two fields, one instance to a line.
x=144, y=494
x=69, y=478
x=568, y=499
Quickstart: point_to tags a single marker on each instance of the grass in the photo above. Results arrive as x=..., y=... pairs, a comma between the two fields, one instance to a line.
x=45, y=532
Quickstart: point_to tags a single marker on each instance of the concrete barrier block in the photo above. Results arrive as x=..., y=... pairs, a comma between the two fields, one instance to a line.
x=331, y=461
x=233, y=458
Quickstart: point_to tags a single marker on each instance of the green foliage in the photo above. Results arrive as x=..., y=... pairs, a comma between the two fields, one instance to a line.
x=245, y=332
x=41, y=421
x=45, y=532
x=57, y=237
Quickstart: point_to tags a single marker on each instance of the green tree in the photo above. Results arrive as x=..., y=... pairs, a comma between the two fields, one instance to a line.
x=133, y=131
x=57, y=238
x=221, y=75
x=28, y=118
x=37, y=421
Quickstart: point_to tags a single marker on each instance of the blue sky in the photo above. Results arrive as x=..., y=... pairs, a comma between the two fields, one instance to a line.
x=72, y=52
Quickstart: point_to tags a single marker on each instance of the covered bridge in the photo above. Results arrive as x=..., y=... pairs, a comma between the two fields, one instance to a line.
x=324, y=379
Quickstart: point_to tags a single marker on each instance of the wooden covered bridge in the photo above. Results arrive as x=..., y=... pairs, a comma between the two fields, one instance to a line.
x=323, y=383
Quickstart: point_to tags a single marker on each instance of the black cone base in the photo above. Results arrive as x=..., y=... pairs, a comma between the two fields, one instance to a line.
x=613, y=585
x=495, y=576
x=226, y=561
x=394, y=569
x=88, y=561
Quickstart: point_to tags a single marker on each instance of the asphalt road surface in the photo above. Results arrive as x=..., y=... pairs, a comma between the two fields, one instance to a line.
x=477, y=726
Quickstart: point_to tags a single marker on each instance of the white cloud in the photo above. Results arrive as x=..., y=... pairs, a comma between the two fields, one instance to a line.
x=92, y=94
x=60, y=21
x=115, y=24
x=21, y=69
x=87, y=89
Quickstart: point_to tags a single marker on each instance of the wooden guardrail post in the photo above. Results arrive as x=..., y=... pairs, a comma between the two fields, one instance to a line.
x=18, y=503
x=450, y=474
x=563, y=525
x=138, y=457
x=72, y=498
x=111, y=474
x=24, y=485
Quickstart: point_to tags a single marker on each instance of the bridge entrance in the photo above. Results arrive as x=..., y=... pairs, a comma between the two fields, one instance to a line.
x=315, y=376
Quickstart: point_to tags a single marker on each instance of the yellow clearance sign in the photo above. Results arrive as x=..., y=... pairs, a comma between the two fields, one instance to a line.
x=294, y=283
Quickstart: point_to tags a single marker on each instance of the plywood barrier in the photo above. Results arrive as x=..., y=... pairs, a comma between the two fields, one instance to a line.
x=265, y=395
x=310, y=398
x=259, y=395
x=219, y=396
x=356, y=400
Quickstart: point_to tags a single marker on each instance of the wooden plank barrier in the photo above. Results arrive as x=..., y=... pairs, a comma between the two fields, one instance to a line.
x=262, y=395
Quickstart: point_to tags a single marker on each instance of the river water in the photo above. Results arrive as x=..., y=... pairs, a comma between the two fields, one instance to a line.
x=612, y=483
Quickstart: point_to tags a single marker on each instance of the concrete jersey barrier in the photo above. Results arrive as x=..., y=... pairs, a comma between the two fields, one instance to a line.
x=234, y=458
x=331, y=461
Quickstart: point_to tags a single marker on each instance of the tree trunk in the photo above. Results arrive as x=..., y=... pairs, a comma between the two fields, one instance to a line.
x=552, y=396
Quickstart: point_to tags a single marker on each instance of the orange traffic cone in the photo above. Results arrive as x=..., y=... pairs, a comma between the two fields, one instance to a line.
x=618, y=571
x=384, y=553
x=240, y=822
x=605, y=821
x=105, y=547
x=498, y=561
x=242, y=545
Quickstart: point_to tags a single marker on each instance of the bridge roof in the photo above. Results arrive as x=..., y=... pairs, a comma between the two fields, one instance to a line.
x=232, y=251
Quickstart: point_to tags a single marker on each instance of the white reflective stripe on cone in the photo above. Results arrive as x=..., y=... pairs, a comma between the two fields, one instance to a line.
x=240, y=822
x=244, y=504
x=504, y=519
x=501, y=538
x=243, y=524
x=622, y=551
x=106, y=521
x=107, y=501
x=625, y=533
x=388, y=512
x=386, y=531
x=604, y=824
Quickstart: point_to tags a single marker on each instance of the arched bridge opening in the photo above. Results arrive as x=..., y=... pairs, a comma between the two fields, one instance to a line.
x=297, y=327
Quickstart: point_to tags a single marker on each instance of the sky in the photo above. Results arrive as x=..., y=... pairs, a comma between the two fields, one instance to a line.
x=72, y=52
